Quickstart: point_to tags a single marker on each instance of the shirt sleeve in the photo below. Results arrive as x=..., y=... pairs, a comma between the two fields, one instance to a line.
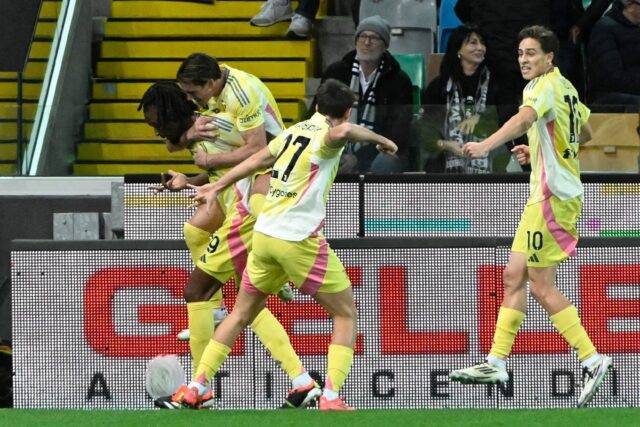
x=583, y=113
x=248, y=111
x=275, y=145
x=539, y=96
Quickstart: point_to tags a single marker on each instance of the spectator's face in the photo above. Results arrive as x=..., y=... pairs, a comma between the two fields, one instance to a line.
x=473, y=50
x=369, y=46
x=632, y=11
x=533, y=61
x=198, y=94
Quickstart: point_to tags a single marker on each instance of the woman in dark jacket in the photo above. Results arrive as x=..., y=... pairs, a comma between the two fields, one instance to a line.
x=466, y=87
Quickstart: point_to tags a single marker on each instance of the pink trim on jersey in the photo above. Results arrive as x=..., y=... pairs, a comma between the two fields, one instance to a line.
x=563, y=238
x=313, y=174
x=317, y=230
x=314, y=279
x=272, y=113
x=546, y=191
x=236, y=245
x=248, y=286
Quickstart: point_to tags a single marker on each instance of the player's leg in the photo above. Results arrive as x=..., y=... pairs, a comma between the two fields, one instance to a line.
x=556, y=240
x=317, y=271
x=244, y=311
x=510, y=317
x=197, y=235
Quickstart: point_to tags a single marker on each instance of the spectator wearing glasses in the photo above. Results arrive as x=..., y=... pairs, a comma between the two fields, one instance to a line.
x=614, y=56
x=384, y=99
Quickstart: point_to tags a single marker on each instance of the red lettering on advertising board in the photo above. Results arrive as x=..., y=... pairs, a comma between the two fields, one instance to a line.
x=490, y=295
x=598, y=308
x=100, y=327
x=396, y=338
x=299, y=311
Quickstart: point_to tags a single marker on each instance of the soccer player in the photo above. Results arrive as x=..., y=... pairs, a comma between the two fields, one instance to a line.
x=556, y=122
x=167, y=109
x=288, y=242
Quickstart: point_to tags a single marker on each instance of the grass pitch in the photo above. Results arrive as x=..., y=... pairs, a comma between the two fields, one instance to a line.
x=617, y=417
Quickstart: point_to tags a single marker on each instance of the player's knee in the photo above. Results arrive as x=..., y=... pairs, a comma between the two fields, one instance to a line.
x=541, y=291
x=513, y=279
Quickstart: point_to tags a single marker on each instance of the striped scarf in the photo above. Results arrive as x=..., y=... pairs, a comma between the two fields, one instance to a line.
x=363, y=113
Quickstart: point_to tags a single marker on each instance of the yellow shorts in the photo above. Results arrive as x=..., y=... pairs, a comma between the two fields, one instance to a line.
x=310, y=264
x=547, y=232
x=226, y=255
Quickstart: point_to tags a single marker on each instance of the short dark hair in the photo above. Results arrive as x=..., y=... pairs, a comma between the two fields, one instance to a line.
x=198, y=69
x=547, y=39
x=174, y=109
x=334, y=98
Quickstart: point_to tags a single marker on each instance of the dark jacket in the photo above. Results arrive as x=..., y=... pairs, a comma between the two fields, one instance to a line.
x=393, y=104
x=614, y=55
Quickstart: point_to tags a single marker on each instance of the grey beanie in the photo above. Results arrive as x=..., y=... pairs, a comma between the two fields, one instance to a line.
x=378, y=25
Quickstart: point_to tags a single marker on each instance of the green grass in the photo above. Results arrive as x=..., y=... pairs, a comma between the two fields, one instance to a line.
x=618, y=417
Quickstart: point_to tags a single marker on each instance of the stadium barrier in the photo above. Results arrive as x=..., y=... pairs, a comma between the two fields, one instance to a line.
x=411, y=205
x=87, y=317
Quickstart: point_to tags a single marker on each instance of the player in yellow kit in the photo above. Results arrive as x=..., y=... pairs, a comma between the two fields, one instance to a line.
x=167, y=109
x=556, y=122
x=288, y=240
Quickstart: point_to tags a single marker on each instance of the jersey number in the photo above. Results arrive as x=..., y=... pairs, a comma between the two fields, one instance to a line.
x=301, y=142
x=574, y=118
x=534, y=240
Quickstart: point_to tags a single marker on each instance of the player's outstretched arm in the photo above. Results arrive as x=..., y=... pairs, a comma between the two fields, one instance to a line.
x=209, y=193
x=349, y=132
x=585, y=133
x=515, y=127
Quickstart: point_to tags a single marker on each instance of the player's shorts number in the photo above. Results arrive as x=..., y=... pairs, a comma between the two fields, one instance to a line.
x=534, y=240
x=213, y=244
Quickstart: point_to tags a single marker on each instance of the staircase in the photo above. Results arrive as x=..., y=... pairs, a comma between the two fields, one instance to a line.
x=145, y=41
x=32, y=84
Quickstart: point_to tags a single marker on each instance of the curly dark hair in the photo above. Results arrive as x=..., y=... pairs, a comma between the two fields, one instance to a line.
x=175, y=111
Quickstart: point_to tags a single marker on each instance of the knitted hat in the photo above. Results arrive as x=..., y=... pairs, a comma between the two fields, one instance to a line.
x=378, y=25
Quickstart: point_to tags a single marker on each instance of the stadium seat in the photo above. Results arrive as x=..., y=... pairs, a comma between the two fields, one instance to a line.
x=413, y=23
x=448, y=22
x=413, y=65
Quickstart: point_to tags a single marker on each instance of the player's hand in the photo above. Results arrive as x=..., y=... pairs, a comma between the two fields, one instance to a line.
x=522, y=154
x=205, y=194
x=202, y=129
x=468, y=125
x=172, y=180
x=387, y=146
x=201, y=159
x=475, y=150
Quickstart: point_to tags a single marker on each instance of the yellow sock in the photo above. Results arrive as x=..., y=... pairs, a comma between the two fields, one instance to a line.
x=507, y=325
x=197, y=240
x=338, y=366
x=213, y=357
x=275, y=339
x=256, y=202
x=201, y=328
x=567, y=322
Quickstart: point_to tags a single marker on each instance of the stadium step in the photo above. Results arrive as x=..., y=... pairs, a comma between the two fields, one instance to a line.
x=208, y=28
x=158, y=69
x=143, y=151
x=8, y=150
x=126, y=168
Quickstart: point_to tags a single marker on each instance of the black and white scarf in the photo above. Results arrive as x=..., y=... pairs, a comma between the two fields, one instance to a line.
x=459, y=109
x=363, y=113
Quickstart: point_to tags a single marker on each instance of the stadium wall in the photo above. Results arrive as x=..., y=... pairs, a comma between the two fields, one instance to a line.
x=88, y=316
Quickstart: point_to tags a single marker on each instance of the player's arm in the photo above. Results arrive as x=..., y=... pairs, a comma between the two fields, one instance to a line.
x=176, y=181
x=515, y=127
x=201, y=130
x=255, y=139
x=209, y=193
x=339, y=135
x=585, y=133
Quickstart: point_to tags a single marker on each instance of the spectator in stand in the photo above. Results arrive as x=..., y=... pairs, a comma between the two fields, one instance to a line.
x=384, y=100
x=500, y=21
x=465, y=86
x=614, y=57
x=274, y=11
x=572, y=24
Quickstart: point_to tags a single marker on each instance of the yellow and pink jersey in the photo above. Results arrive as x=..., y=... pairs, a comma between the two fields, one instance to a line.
x=248, y=99
x=302, y=175
x=554, y=138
